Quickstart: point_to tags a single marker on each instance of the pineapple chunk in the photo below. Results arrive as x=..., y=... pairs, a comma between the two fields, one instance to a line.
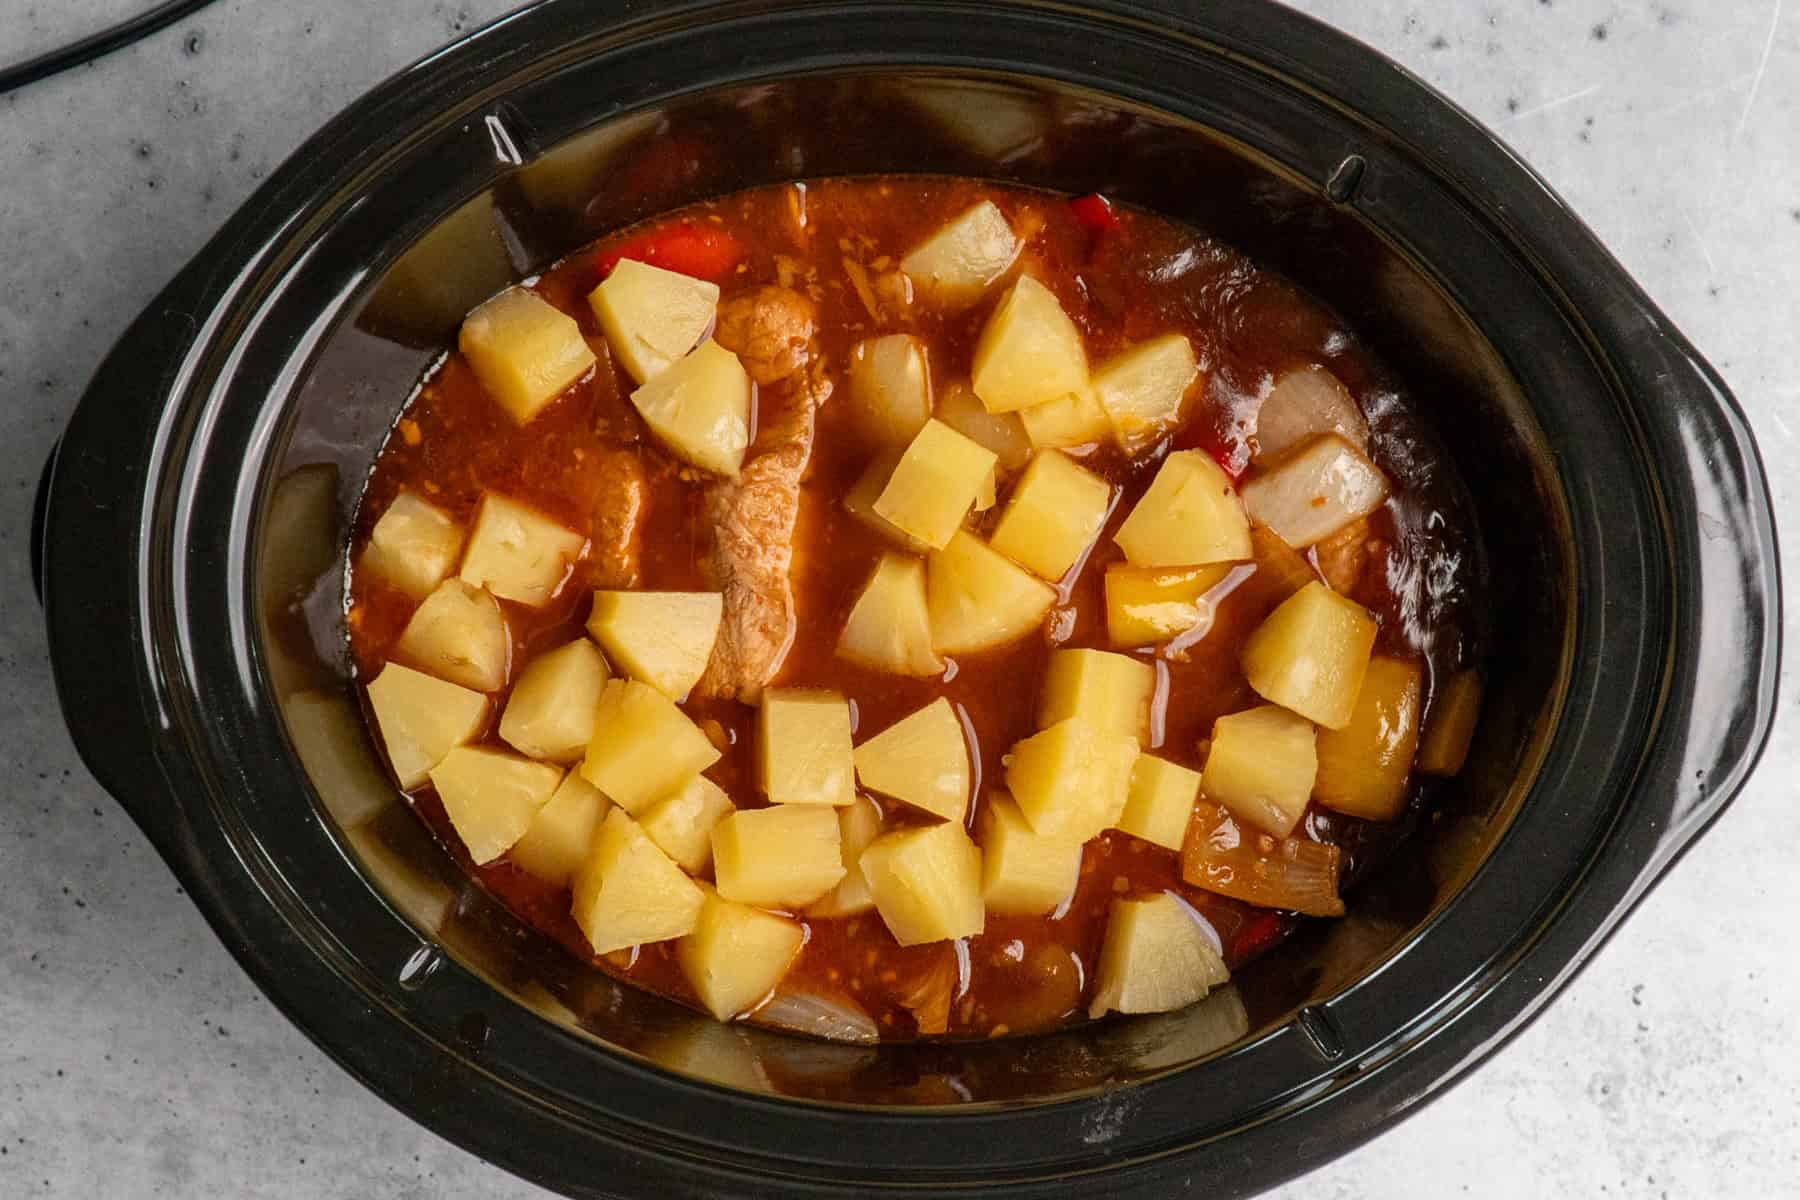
x=1189, y=516
x=331, y=739
x=1142, y=389
x=1315, y=491
x=1445, y=746
x=889, y=627
x=780, y=857
x=1156, y=958
x=518, y=553
x=652, y=317
x=550, y=713
x=859, y=501
x=1149, y=605
x=491, y=797
x=524, y=351
x=560, y=836
x=699, y=408
x=1053, y=516
x=681, y=823
x=661, y=638
x=1306, y=401
x=1072, y=780
x=1261, y=765
x=1363, y=767
x=1022, y=873
x=961, y=260
x=988, y=494
x=628, y=892
x=1111, y=692
x=1072, y=419
x=1029, y=351
x=1310, y=654
x=934, y=484
x=458, y=634
x=979, y=599
x=921, y=759
x=803, y=747
x=422, y=719
x=858, y=825
x=890, y=388
x=1003, y=433
x=643, y=746
x=736, y=955
x=926, y=883
x=413, y=546
x=1161, y=801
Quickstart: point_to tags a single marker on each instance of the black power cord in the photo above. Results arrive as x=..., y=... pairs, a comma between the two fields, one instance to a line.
x=87, y=49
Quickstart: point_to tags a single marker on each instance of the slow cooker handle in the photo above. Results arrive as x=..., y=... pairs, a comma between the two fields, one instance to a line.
x=39, y=510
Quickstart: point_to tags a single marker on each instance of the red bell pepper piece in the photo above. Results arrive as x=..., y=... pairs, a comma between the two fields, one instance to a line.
x=686, y=247
x=1095, y=212
x=1257, y=935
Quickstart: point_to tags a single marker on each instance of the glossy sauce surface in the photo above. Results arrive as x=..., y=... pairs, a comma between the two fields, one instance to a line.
x=829, y=238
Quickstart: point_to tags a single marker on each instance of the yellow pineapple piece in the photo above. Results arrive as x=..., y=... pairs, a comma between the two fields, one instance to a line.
x=1156, y=958
x=413, y=546
x=459, y=634
x=934, y=483
x=1029, y=351
x=1310, y=654
x=422, y=719
x=1003, y=433
x=784, y=856
x=1111, y=692
x=859, y=501
x=890, y=388
x=858, y=825
x=889, y=626
x=803, y=747
x=682, y=822
x=1146, y=606
x=550, y=713
x=1142, y=389
x=1071, y=419
x=1053, y=516
x=1161, y=801
x=699, y=408
x=629, y=892
x=1071, y=780
x=1315, y=490
x=560, y=836
x=1021, y=872
x=661, y=638
x=1363, y=767
x=518, y=553
x=643, y=746
x=1445, y=745
x=979, y=599
x=524, y=351
x=921, y=759
x=736, y=955
x=964, y=257
x=926, y=883
x=652, y=317
x=1261, y=764
x=491, y=796
x=1189, y=516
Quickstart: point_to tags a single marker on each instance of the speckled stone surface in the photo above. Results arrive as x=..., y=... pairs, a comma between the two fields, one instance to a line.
x=135, y=1058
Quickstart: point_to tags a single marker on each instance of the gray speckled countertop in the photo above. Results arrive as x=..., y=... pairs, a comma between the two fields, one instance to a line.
x=136, y=1059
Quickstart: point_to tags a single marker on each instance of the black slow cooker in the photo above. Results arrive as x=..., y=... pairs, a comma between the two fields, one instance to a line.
x=191, y=540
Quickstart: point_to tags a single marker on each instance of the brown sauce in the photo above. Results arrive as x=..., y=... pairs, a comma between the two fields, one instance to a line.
x=1146, y=277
